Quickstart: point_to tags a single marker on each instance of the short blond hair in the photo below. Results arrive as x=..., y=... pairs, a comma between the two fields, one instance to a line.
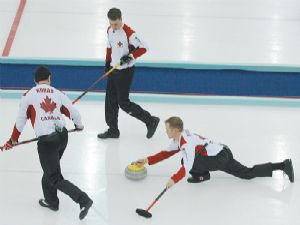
x=175, y=122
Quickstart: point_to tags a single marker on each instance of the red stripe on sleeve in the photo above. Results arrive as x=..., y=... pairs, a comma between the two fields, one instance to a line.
x=202, y=149
x=128, y=31
x=161, y=156
x=139, y=52
x=15, y=134
x=182, y=141
x=31, y=114
x=26, y=93
x=108, y=55
x=179, y=175
x=65, y=111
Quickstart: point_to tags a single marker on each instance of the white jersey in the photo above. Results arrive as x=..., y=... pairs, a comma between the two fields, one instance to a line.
x=119, y=42
x=44, y=106
x=190, y=144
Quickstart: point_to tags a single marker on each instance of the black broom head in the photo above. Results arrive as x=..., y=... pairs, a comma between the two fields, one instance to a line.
x=143, y=213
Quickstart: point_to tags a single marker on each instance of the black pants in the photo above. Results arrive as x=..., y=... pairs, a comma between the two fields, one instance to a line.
x=117, y=95
x=224, y=161
x=51, y=148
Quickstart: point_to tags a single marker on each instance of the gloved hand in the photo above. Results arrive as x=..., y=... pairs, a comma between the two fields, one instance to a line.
x=106, y=69
x=79, y=127
x=141, y=162
x=107, y=66
x=125, y=59
x=170, y=183
x=9, y=144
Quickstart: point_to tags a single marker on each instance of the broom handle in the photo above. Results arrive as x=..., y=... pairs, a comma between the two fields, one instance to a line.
x=101, y=78
x=35, y=139
x=158, y=197
x=96, y=82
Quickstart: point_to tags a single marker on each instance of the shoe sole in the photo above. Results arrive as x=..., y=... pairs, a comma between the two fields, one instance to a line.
x=292, y=170
x=196, y=182
x=42, y=204
x=108, y=137
x=84, y=212
x=157, y=120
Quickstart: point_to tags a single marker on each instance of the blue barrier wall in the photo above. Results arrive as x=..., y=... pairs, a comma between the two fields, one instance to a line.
x=149, y=78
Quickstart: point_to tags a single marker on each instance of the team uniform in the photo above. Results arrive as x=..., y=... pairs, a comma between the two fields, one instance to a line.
x=201, y=155
x=120, y=43
x=44, y=106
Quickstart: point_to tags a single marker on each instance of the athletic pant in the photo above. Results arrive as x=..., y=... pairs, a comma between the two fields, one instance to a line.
x=224, y=161
x=51, y=148
x=117, y=96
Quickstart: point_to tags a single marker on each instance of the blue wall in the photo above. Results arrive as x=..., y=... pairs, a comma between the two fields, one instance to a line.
x=218, y=80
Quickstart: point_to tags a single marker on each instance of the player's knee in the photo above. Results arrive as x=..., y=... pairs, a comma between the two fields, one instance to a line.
x=55, y=179
x=125, y=106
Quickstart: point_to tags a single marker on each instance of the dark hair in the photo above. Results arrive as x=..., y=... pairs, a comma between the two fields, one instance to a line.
x=175, y=122
x=114, y=14
x=41, y=73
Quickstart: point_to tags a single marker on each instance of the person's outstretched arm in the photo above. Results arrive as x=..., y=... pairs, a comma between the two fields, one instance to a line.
x=150, y=160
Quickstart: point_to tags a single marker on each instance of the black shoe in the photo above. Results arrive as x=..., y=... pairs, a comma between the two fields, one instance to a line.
x=194, y=179
x=288, y=169
x=84, y=209
x=109, y=134
x=43, y=203
x=151, y=127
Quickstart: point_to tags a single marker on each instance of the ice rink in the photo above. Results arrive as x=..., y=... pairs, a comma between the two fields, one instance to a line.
x=232, y=32
x=254, y=134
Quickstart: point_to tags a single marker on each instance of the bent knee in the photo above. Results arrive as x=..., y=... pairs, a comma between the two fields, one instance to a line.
x=125, y=106
x=55, y=179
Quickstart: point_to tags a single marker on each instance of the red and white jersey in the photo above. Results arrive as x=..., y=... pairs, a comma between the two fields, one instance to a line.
x=118, y=45
x=189, y=145
x=44, y=106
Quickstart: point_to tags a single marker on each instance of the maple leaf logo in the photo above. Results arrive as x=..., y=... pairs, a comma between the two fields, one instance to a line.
x=47, y=105
x=120, y=44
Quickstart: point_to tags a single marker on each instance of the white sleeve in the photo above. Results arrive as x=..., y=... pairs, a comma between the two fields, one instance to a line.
x=69, y=110
x=108, y=43
x=137, y=41
x=22, y=114
x=173, y=145
x=188, y=156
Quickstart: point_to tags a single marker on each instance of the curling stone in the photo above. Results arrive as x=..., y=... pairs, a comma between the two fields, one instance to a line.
x=134, y=172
